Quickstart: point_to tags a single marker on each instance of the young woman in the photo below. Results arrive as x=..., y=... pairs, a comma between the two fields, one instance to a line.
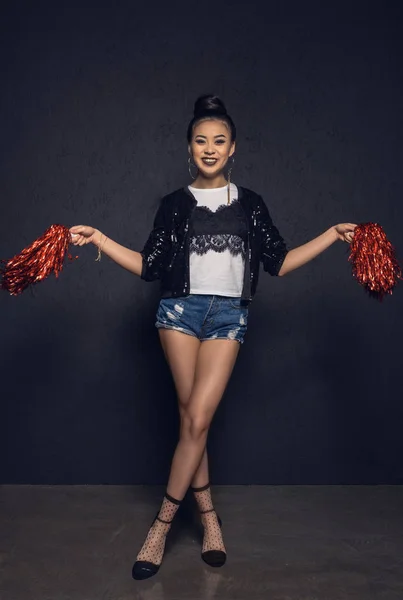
x=206, y=246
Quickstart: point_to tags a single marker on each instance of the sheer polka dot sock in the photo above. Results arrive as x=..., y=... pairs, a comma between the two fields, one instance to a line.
x=213, y=550
x=150, y=557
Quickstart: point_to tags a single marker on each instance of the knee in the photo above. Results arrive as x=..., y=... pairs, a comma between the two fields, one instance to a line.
x=194, y=427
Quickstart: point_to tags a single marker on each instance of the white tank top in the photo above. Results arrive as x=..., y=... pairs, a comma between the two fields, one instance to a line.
x=217, y=249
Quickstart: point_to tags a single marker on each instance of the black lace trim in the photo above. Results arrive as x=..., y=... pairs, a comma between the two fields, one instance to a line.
x=221, y=207
x=201, y=244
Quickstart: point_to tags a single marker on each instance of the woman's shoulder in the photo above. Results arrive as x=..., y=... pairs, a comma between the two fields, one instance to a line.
x=175, y=195
x=171, y=200
x=249, y=194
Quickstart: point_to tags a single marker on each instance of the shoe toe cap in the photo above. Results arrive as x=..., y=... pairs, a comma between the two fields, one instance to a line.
x=214, y=558
x=143, y=569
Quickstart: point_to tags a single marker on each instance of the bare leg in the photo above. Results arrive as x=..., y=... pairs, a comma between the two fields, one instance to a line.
x=215, y=361
x=182, y=357
x=181, y=352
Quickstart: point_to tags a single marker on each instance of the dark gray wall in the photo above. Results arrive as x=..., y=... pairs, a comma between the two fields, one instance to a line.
x=94, y=108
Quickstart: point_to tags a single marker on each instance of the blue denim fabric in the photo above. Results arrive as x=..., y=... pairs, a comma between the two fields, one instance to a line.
x=204, y=316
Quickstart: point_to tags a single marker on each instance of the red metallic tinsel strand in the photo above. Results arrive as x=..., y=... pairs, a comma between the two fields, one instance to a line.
x=373, y=260
x=37, y=261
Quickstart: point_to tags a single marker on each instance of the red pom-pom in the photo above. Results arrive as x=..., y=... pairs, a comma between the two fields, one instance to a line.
x=373, y=260
x=37, y=261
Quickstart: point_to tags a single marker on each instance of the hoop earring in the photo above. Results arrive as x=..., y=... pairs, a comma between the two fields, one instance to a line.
x=190, y=165
x=230, y=168
x=229, y=180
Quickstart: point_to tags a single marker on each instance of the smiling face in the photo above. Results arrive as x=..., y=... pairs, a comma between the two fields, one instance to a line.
x=211, y=147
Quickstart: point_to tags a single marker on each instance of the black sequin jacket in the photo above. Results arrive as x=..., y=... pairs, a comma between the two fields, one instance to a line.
x=166, y=252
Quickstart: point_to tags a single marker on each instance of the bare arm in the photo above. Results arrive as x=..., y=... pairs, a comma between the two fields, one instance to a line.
x=126, y=258
x=299, y=256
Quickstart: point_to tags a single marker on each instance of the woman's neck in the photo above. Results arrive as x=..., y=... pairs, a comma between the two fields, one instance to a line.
x=205, y=184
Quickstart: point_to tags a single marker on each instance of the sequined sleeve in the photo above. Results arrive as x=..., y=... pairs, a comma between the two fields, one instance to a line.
x=273, y=249
x=156, y=247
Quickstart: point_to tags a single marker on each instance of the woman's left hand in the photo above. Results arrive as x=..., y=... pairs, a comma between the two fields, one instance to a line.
x=345, y=232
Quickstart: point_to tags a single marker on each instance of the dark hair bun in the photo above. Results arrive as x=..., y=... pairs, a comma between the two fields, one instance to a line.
x=210, y=107
x=207, y=104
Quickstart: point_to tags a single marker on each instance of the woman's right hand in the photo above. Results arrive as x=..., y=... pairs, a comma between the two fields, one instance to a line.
x=83, y=234
x=125, y=257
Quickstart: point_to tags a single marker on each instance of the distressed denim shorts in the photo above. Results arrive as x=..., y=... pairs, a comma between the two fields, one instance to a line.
x=205, y=317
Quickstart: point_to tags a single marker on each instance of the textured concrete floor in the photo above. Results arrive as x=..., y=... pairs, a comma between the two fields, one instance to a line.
x=283, y=543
